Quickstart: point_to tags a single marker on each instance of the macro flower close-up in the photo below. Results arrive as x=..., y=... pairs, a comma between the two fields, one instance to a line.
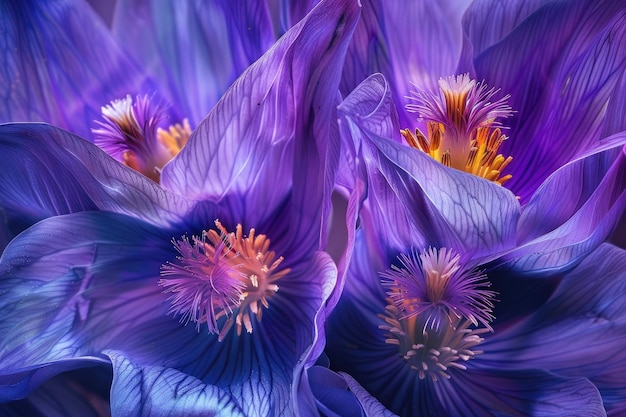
x=313, y=208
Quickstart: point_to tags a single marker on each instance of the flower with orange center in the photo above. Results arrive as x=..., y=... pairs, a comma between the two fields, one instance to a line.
x=463, y=130
x=222, y=275
x=131, y=133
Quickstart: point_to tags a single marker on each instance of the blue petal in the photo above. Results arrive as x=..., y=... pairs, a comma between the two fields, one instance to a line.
x=267, y=139
x=358, y=347
x=195, y=49
x=158, y=391
x=48, y=171
x=588, y=227
x=480, y=392
x=580, y=331
x=559, y=89
x=66, y=283
x=86, y=282
x=61, y=65
x=63, y=396
x=332, y=395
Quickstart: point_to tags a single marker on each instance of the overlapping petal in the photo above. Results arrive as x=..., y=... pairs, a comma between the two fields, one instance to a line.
x=580, y=329
x=157, y=391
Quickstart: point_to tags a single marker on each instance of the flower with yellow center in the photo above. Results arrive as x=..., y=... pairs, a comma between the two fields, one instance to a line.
x=463, y=128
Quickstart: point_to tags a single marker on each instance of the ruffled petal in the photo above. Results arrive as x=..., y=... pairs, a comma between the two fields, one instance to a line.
x=270, y=126
x=587, y=228
x=158, y=391
x=195, y=49
x=48, y=171
x=561, y=89
x=417, y=201
x=580, y=331
x=61, y=65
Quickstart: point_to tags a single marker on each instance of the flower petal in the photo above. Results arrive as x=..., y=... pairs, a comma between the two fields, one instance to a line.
x=267, y=139
x=571, y=185
x=158, y=391
x=61, y=396
x=417, y=202
x=194, y=49
x=48, y=171
x=86, y=282
x=370, y=404
x=331, y=393
x=410, y=42
x=580, y=331
x=560, y=90
x=588, y=227
x=58, y=69
x=357, y=346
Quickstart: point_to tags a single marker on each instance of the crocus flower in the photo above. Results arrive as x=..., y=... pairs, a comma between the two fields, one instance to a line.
x=205, y=293
x=429, y=321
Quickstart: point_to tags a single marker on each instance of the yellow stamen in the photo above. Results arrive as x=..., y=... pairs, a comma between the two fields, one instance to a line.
x=175, y=137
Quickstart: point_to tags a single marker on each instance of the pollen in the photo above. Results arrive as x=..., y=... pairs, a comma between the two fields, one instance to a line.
x=131, y=133
x=436, y=310
x=463, y=128
x=224, y=279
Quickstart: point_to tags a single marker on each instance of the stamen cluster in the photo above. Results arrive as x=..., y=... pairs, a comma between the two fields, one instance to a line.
x=222, y=275
x=131, y=133
x=436, y=310
x=463, y=127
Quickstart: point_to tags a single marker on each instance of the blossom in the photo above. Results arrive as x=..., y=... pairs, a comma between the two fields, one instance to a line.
x=565, y=94
x=59, y=70
x=204, y=292
x=445, y=287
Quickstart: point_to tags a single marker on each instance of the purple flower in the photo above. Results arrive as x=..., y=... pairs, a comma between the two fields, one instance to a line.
x=62, y=64
x=205, y=293
x=446, y=284
x=565, y=93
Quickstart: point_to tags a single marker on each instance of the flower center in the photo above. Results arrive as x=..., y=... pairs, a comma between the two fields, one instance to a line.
x=131, y=134
x=222, y=275
x=436, y=311
x=462, y=127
